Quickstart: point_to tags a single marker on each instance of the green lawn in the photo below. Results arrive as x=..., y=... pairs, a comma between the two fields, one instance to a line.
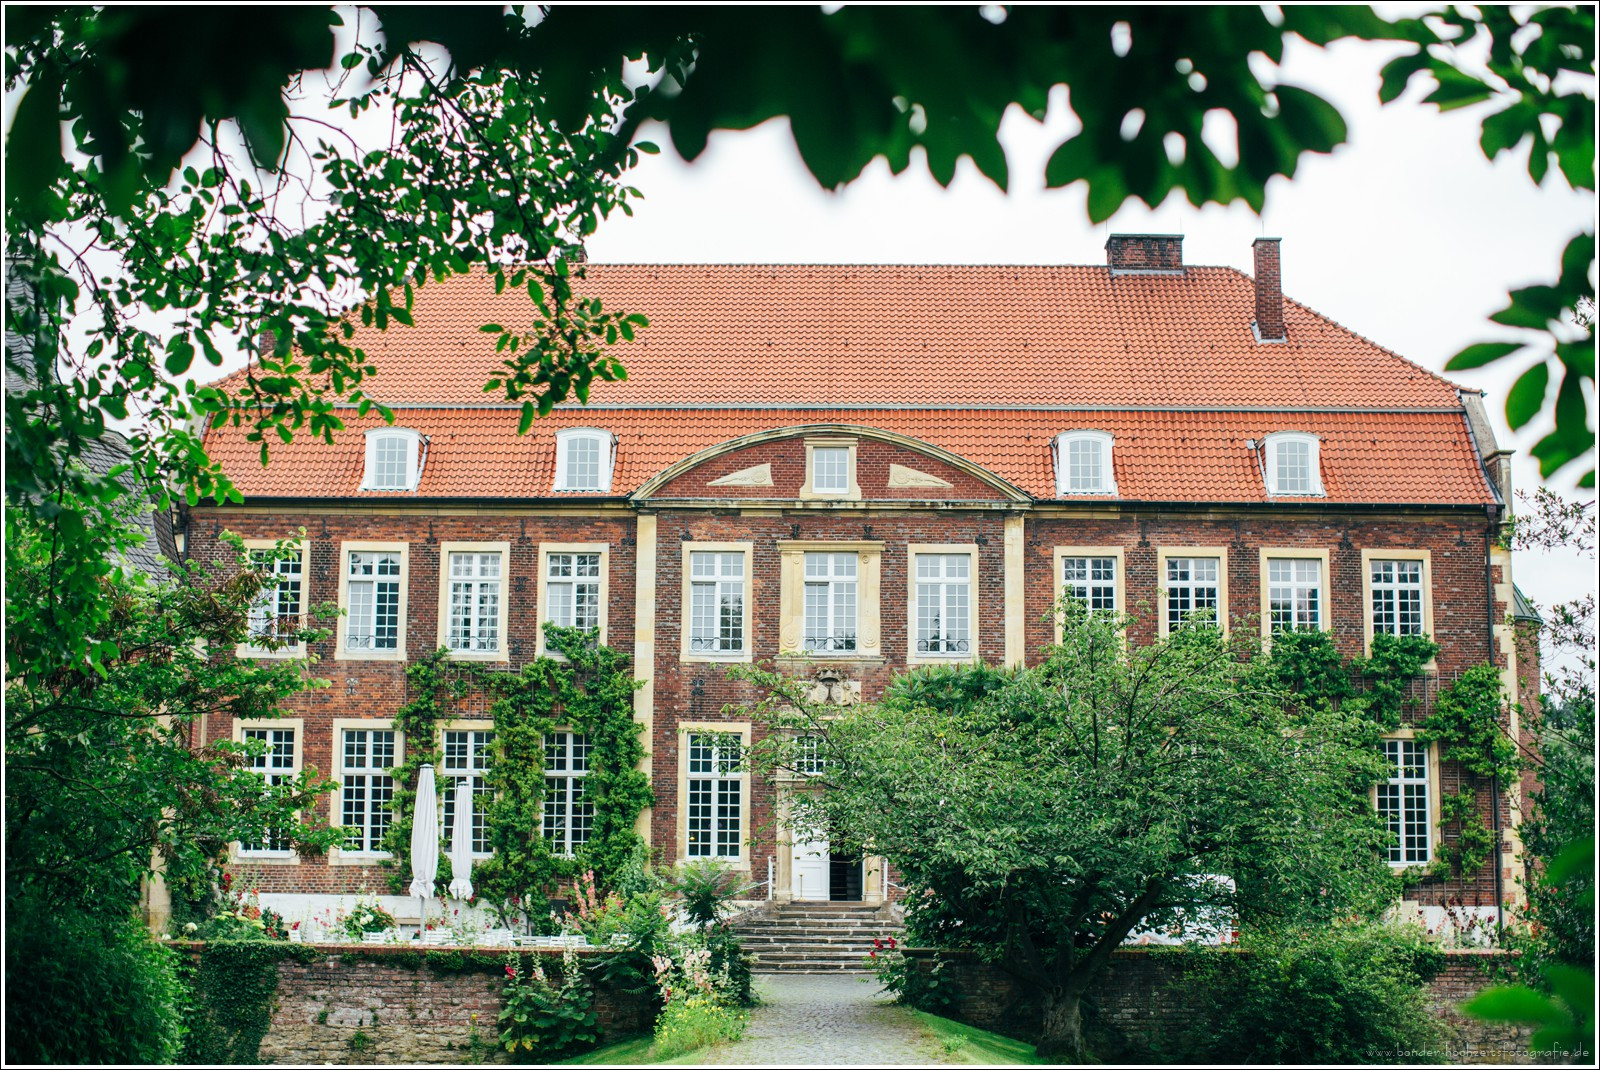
x=639, y=1051
x=957, y=1042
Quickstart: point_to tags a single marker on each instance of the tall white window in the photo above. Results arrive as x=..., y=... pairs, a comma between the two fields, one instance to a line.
x=1293, y=463
x=568, y=813
x=1294, y=594
x=830, y=469
x=583, y=459
x=1403, y=800
x=572, y=585
x=944, y=605
x=276, y=611
x=467, y=757
x=276, y=765
x=372, y=620
x=1092, y=581
x=366, y=787
x=474, y=602
x=393, y=462
x=1193, y=585
x=1083, y=463
x=716, y=804
x=830, y=623
x=808, y=756
x=1396, y=597
x=716, y=611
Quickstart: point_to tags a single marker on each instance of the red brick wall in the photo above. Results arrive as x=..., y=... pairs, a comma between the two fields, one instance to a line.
x=408, y=1013
x=788, y=459
x=699, y=691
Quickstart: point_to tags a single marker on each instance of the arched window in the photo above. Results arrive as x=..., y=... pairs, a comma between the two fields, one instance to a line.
x=1083, y=463
x=585, y=457
x=394, y=459
x=1293, y=463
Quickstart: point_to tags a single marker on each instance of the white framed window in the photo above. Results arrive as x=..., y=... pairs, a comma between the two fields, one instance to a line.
x=829, y=592
x=1405, y=801
x=718, y=616
x=1293, y=463
x=808, y=758
x=942, y=605
x=715, y=789
x=1294, y=594
x=277, y=762
x=1083, y=463
x=1396, y=592
x=1396, y=597
x=372, y=592
x=568, y=812
x=394, y=459
x=367, y=757
x=468, y=755
x=279, y=610
x=1193, y=580
x=573, y=589
x=831, y=469
x=830, y=603
x=472, y=599
x=1091, y=580
x=585, y=459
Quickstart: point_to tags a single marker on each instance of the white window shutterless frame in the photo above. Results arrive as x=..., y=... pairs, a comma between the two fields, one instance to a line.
x=372, y=592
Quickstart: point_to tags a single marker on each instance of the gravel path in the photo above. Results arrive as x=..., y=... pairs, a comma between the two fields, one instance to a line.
x=826, y=1020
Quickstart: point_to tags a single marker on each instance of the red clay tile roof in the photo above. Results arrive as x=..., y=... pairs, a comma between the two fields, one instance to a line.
x=1395, y=458
x=978, y=360
x=873, y=335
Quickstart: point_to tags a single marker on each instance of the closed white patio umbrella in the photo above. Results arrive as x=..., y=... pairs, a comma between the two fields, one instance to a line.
x=424, y=844
x=461, y=843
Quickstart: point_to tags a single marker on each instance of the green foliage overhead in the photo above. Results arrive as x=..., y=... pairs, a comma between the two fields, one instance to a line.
x=1050, y=816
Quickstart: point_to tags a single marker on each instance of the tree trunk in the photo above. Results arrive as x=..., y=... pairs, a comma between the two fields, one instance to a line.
x=1061, y=1032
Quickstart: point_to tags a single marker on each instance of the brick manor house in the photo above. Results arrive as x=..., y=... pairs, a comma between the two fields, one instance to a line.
x=849, y=470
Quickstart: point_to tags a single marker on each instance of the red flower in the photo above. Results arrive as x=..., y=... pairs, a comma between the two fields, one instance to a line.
x=876, y=942
x=892, y=944
x=509, y=971
x=872, y=954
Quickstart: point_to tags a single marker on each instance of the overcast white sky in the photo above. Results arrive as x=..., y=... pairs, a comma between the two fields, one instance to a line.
x=1406, y=235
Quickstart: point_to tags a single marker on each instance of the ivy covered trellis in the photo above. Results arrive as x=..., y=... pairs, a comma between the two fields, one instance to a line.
x=590, y=691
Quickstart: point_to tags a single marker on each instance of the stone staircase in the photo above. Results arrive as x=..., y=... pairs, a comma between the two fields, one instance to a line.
x=805, y=937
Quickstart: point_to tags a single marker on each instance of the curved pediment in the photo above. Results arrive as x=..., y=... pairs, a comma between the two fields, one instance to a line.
x=773, y=466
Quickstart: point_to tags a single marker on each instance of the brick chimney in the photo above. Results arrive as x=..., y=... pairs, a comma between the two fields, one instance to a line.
x=1269, y=292
x=1145, y=253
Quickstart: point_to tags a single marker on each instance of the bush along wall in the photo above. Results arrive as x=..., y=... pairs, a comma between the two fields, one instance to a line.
x=590, y=692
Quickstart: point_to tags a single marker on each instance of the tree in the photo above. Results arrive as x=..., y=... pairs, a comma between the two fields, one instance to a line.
x=1040, y=816
x=107, y=773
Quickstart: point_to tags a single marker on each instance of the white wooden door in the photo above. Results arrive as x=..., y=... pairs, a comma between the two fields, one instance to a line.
x=808, y=865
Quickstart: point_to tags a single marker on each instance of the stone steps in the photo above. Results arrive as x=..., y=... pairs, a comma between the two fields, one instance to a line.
x=816, y=937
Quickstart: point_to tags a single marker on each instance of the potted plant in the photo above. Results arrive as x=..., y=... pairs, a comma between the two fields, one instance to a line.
x=369, y=923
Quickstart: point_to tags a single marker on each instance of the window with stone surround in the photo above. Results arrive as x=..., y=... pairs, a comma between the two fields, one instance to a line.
x=366, y=786
x=716, y=796
x=467, y=756
x=1404, y=801
x=568, y=812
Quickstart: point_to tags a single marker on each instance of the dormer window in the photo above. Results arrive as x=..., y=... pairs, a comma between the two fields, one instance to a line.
x=1083, y=463
x=584, y=459
x=1293, y=463
x=394, y=459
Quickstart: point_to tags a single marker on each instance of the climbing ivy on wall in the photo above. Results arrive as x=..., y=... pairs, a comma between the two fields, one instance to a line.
x=1465, y=723
x=591, y=692
x=229, y=990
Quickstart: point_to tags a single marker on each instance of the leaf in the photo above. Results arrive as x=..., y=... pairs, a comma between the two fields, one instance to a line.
x=1397, y=74
x=1576, y=859
x=1456, y=88
x=1514, y=1003
x=1476, y=356
x=1527, y=395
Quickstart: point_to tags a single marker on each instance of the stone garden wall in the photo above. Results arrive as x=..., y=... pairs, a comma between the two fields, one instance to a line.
x=1140, y=1002
x=344, y=1004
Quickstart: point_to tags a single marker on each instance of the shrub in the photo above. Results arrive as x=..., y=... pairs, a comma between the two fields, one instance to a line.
x=1328, y=995
x=541, y=1021
x=708, y=888
x=82, y=990
x=368, y=917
